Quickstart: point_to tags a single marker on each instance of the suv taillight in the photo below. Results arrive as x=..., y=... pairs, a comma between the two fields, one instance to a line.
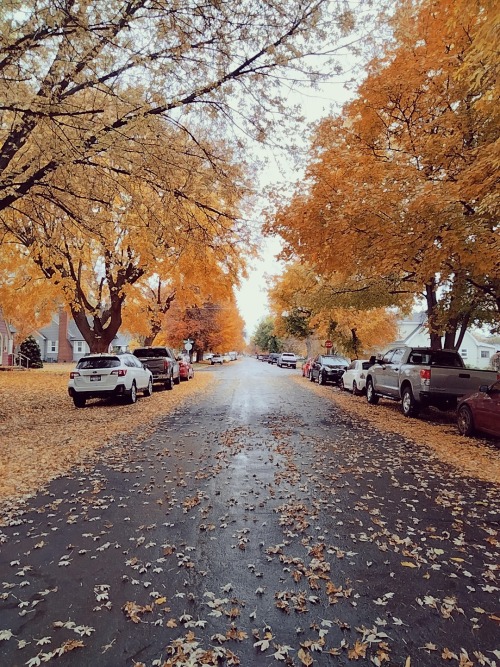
x=120, y=372
x=73, y=375
x=425, y=374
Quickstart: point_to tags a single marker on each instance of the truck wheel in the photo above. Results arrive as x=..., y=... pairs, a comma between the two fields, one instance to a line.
x=371, y=396
x=409, y=404
x=79, y=401
x=168, y=383
x=177, y=380
x=465, y=421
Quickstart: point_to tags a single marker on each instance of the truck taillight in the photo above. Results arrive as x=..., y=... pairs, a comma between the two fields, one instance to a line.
x=425, y=374
x=73, y=375
x=165, y=365
x=121, y=372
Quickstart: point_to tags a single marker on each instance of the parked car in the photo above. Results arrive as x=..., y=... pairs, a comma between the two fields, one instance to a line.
x=216, y=359
x=420, y=376
x=186, y=371
x=273, y=358
x=480, y=411
x=306, y=367
x=105, y=375
x=264, y=357
x=328, y=368
x=354, y=377
x=162, y=363
x=287, y=359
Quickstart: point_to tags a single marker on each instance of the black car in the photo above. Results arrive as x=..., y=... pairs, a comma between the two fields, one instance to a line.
x=273, y=358
x=328, y=368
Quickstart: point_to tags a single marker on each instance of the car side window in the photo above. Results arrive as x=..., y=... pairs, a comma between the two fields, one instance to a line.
x=386, y=359
x=397, y=356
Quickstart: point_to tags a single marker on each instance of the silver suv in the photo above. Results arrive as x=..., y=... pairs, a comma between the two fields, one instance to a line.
x=287, y=359
x=102, y=375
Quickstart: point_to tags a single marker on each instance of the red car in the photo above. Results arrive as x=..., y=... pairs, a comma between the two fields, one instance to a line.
x=186, y=371
x=306, y=367
x=480, y=411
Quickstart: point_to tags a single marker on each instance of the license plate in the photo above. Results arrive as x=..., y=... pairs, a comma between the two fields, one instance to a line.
x=95, y=378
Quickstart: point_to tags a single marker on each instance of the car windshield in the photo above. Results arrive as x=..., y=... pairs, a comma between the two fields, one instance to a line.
x=333, y=361
x=98, y=362
x=142, y=353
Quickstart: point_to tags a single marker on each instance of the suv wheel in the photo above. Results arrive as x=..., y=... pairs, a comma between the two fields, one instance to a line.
x=149, y=389
x=132, y=397
x=321, y=378
x=79, y=401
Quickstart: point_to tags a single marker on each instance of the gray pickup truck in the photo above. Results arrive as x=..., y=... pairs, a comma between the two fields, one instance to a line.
x=420, y=377
x=162, y=363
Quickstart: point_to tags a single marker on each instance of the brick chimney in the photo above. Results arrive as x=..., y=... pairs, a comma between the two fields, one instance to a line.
x=65, y=351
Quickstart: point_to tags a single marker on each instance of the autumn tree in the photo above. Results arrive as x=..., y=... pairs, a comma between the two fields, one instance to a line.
x=394, y=190
x=78, y=79
x=313, y=306
x=116, y=229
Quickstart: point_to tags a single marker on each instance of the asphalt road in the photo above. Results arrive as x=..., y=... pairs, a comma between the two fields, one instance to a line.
x=258, y=525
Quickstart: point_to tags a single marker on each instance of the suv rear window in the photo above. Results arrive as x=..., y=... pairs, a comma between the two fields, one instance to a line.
x=98, y=362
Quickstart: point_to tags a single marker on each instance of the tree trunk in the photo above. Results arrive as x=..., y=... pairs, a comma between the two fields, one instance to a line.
x=100, y=334
x=431, y=299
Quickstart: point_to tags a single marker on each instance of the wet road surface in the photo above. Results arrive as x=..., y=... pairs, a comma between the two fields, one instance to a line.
x=259, y=525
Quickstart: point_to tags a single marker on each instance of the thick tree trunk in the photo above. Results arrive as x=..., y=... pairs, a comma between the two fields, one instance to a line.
x=431, y=299
x=101, y=332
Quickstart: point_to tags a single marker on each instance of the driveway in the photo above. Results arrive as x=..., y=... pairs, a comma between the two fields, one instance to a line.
x=258, y=525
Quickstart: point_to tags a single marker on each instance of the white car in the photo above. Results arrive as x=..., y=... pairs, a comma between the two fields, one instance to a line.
x=354, y=377
x=287, y=359
x=216, y=359
x=104, y=375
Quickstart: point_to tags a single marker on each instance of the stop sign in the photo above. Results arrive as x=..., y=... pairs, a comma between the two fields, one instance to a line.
x=328, y=344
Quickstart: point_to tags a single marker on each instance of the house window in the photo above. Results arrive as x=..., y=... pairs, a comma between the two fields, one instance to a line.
x=485, y=354
x=53, y=346
x=463, y=353
x=79, y=346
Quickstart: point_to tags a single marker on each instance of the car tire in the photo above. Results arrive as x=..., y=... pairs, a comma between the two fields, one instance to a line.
x=355, y=390
x=79, y=401
x=342, y=386
x=408, y=403
x=321, y=378
x=177, y=380
x=132, y=395
x=465, y=421
x=169, y=384
x=371, y=396
x=149, y=389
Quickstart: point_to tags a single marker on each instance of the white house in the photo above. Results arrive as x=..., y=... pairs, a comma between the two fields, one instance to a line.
x=476, y=354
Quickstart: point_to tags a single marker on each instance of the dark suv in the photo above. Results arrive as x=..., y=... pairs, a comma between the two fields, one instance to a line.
x=328, y=368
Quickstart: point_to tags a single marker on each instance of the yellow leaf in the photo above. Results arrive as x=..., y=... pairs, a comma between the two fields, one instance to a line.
x=160, y=600
x=406, y=563
x=305, y=657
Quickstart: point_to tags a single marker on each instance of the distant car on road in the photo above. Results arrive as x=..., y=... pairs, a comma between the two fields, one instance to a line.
x=287, y=359
x=273, y=358
x=354, y=378
x=480, y=411
x=328, y=368
x=216, y=359
x=105, y=375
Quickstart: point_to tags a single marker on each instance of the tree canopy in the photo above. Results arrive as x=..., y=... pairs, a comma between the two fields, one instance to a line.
x=402, y=187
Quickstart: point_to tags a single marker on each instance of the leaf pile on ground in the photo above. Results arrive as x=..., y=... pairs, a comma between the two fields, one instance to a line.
x=42, y=435
x=476, y=457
